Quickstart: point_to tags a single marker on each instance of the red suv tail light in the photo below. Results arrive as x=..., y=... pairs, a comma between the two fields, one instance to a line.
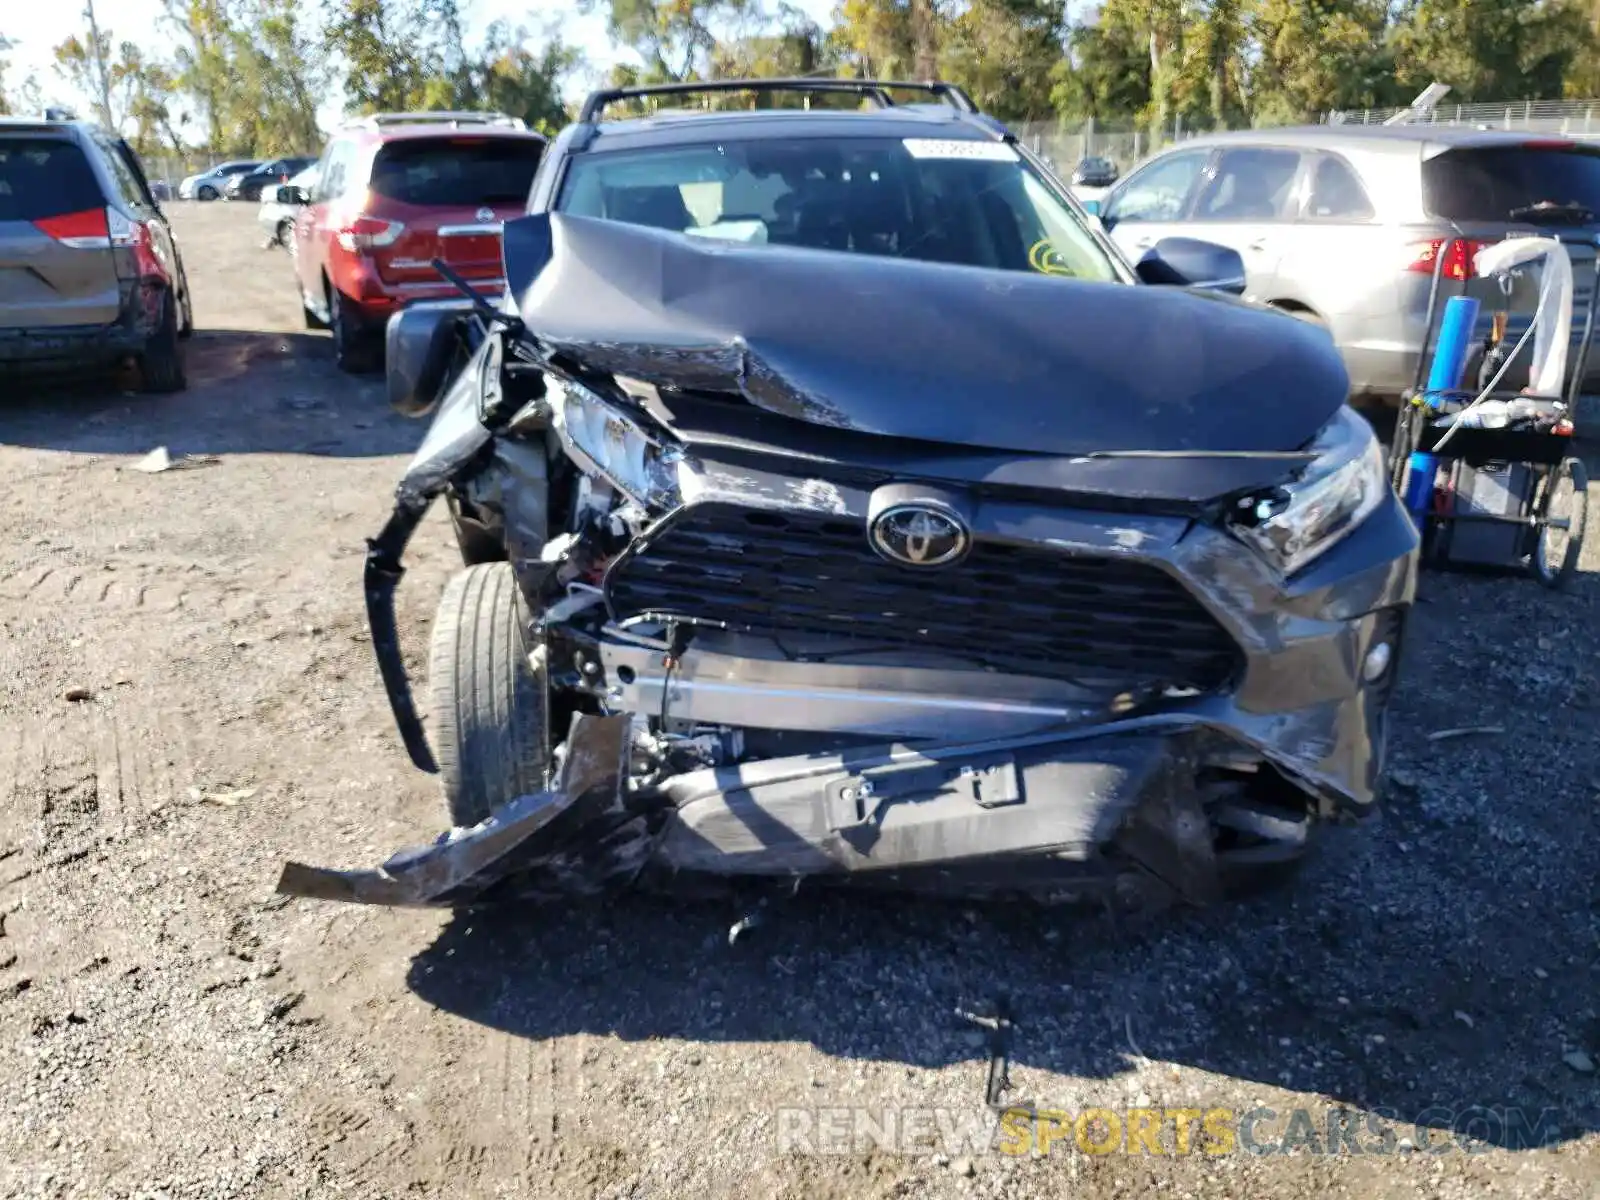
x=368, y=233
x=86, y=230
x=1458, y=259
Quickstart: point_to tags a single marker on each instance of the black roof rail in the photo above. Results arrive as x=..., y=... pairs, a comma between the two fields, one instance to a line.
x=876, y=90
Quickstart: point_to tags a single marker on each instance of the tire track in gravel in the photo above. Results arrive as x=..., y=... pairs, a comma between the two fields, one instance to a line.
x=149, y=588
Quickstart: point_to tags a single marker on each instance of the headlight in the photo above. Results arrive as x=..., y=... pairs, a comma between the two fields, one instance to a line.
x=1335, y=492
x=611, y=443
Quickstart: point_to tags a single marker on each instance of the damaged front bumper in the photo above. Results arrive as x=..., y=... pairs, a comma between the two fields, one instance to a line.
x=961, y=781
x=1048, y=814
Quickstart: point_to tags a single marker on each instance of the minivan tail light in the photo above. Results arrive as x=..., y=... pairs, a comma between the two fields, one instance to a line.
x=86, y=230
x=135, y=236
x=369, y=233
x=1458, y=259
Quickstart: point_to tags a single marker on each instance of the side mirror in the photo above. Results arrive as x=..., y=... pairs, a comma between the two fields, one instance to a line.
x=420, y=344
x=288, y=193
x=1188, y=262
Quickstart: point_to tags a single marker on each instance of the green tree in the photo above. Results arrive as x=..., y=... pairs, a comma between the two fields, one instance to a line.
x=506, y=74
x=1107, y=73
x=798, y=46
x=1316, y=55
x=1003, y=52
x=674, y=39
x=893, y=38
x=6, y=105
x=387, y=46
x=1490, y=49
x=279, y=71
x=206, y=38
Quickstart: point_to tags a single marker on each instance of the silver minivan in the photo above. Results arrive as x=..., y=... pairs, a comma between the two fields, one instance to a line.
x=1342, y=225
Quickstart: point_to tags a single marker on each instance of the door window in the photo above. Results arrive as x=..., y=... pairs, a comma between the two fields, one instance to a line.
x=335, y=172
x=1248, y=184
x=1159, y=192
x=1336, y=194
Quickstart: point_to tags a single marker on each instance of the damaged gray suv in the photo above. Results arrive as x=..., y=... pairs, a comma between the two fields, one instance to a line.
x=837, y=503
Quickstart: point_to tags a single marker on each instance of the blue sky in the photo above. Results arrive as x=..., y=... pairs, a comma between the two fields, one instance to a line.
x=36, y=27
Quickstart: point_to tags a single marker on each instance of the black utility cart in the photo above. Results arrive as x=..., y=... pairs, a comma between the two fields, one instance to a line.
x=1491, y=475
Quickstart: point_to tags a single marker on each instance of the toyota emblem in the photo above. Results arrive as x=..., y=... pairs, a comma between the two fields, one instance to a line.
x=919, y=535
x=486, y=214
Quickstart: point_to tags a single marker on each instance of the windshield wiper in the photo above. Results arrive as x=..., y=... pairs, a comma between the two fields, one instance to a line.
x=1549, y=212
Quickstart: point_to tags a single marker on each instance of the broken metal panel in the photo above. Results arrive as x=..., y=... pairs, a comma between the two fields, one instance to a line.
x=466, y=861
x=983, y=358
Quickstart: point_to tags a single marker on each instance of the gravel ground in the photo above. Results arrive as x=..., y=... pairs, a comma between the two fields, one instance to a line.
x=187, y=697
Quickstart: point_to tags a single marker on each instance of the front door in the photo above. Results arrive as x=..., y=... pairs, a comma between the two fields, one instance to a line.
x=1246, y=202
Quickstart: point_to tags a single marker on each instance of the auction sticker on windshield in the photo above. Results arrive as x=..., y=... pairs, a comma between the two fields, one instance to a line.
x=956, y=148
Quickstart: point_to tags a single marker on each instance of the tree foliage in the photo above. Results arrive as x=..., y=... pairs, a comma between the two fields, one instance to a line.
x=253, y=75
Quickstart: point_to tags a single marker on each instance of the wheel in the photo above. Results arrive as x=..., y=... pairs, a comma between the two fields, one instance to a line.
x=1565, y=503
x=354, y=349
x=161, y=362
x=206, y=192
x=285, y=232
x=490, y=709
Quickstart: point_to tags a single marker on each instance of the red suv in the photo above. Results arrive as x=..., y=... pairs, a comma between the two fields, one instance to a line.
x=396, y=191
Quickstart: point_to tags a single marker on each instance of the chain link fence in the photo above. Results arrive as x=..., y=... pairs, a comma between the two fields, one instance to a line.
x=1572, y=118
x=1125, y=143
x=1065, y=145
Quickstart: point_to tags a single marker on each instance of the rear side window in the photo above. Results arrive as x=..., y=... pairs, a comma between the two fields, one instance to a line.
x=122, y=175
x=1248, y=185
x=1336, y=194
x=1504, y=183
x=41, y=177
x=456, y=171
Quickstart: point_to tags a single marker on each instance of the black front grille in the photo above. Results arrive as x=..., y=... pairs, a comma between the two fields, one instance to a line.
x=1022, y=608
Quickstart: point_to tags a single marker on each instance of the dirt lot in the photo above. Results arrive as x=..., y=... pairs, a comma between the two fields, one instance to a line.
x=172, y=1030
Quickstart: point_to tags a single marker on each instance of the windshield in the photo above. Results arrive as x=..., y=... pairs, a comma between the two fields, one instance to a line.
x=972, y=203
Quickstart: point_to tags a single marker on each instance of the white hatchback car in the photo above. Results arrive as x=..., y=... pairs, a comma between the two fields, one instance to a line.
x=278, y=219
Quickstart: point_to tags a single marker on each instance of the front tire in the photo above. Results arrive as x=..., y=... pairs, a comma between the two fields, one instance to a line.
x=207, y=192
x=161, y=363
x=490, y=707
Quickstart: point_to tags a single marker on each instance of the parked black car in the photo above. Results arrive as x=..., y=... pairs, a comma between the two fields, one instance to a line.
x=837, y=502
x=90, y=273
x=280, y=170
x=1094, y=172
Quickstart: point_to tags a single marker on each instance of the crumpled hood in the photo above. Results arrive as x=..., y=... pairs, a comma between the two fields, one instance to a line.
x=995, y=359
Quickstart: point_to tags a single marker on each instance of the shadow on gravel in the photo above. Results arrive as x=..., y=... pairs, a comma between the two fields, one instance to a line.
x=1434, y=963
x=249, y=393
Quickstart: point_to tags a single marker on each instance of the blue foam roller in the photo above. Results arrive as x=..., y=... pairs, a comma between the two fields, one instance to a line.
x=1450, y=353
